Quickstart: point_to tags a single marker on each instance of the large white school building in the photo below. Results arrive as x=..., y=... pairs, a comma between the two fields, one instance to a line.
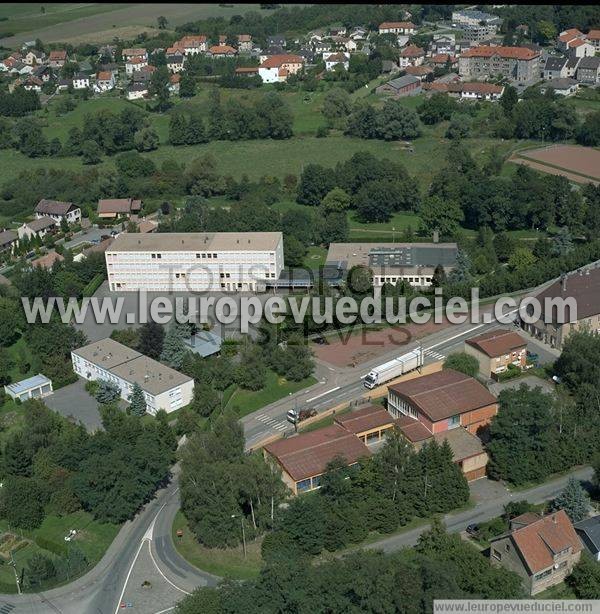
x=218, y=261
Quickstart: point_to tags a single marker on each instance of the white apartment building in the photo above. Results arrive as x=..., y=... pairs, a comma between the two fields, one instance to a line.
x=219, y=261
x=163, y=387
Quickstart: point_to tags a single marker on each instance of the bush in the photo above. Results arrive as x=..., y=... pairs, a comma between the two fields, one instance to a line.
x=511, y=372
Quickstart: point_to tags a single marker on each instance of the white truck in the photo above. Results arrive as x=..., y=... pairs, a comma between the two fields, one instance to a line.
x=394, y=368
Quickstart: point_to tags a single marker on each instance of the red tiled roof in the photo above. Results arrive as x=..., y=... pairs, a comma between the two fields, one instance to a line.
x=276, y=61
x=244, y=38
x=307, y=455
x=337, y=57
x=569, y=34
x=516, y=53
x=497, y=342
x=593, y=35
x=478, y=88
x=222, y=49
x=47, y=261
x=53, y=207
x=418, y=71
x=413, y=430
x=539, y=541
x=406, y=25
x=442, y=58
x=444, y=393
x=577, y=42
x=133, y=52
x=138, y=59
x=242, y=70
x=412, y=51
x=188, y=41
x=174, y=79
x=365, y=419
x=436, y=87
x=119, y=205
x=104, y=76
x=58, y=55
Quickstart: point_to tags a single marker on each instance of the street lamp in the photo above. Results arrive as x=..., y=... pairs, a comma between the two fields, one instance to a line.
x=243, y=531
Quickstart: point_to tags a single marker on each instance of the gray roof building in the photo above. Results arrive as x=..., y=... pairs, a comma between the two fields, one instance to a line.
x=589, y=533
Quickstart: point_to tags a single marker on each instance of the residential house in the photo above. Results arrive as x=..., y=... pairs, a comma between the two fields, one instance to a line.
x=443, y=43
x=593, y=37
x=359, y=34
x=407, y=85
x=303, y=459
x=516, y=63
x=34, y=57
x=81, y=81
x=476, y=90
x=58, y=211
x=35, y=387
x=276, y=68
x=174, y=83
x=222, y=51
x=137, y=52
x=175, y=62
x=468, y=17
x=137, y=91
x=98, y=248
x=443, y=60
x=337, y=31
x=335, y=61
x=588, y=70
x=555, y=67
x=421, y=72
x=105, y=81
x=7, y=240
x=47, y=261
x=39, y=227
x=581, y=48
x=135, y=63
x=145, y=226
x=32, y=84
x=163, y=387
x=193, y=44
x=276, y=40
x=57, y=59
x=64, y=84
x=442, y=401
x=554, y=325
x=562, y=87
x=589, y=534
x=118, y=207
x=497, y=349
x=42, y=72
x=397, y=27
x=543, y=552
x=567, y=37
x=246, y=71
x=572, y=65
x=244, y=43
x=20, y=68
x=344, y=44
x=321, y=47
x=411, y=56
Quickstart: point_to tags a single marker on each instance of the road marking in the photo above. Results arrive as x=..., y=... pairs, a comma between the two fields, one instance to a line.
x=162, y=574
x=322, y=394
x=129, y=575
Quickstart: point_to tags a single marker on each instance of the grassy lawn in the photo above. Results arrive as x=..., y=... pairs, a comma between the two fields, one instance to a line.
x=315, y=257
x=559, y=591
x=327, y=421
x=227, y=563
x=277, y=387
x=93, y=539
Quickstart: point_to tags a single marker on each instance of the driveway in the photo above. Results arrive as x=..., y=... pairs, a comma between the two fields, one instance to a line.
x=530, y=380
x=73, y=401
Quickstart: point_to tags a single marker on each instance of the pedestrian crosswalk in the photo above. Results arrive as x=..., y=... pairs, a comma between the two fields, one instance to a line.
x=278, y=425
x=6, y=608
x=434, y=354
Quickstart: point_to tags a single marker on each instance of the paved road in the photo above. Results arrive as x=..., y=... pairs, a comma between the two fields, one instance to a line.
x=101, y=590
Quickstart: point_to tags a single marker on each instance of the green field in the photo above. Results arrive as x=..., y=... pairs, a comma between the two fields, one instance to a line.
x=277, y=387
x=226, y=563
x=93, y=538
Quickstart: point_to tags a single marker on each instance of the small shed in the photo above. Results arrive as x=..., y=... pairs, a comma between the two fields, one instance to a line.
x=35, y=387
x=204, y=343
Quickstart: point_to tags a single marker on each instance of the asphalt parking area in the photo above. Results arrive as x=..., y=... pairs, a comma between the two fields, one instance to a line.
x=74, y=402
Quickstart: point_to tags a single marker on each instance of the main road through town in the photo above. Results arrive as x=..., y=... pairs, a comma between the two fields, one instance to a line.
x=145, y=546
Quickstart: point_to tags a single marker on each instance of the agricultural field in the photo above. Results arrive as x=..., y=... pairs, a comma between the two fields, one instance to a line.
x=579, y=164
x=96, y=22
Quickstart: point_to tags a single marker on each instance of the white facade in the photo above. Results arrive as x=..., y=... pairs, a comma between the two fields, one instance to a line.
x=270, y=75
x=226, y=262
x=81, y=83
x=72, y=216
x=158, y=393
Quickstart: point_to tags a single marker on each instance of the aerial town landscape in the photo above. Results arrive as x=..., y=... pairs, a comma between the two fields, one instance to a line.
x=299, y=307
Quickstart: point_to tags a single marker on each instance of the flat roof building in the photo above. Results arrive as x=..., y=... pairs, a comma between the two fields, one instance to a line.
x=224, y=261
x=35, y=387
x=394, y=262
x=163, y=387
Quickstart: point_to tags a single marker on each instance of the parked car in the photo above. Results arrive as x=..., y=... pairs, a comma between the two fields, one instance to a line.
x=295, y=417
x=473, y=529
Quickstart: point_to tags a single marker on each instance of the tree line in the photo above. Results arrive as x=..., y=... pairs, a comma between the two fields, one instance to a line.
x=441, y=566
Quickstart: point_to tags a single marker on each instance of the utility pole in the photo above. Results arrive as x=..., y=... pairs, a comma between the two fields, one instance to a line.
x=243, y=531
x=14, y=566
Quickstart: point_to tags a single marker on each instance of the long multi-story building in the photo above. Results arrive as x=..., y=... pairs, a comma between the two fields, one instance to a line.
x=217, y=261
x=108, y=360
x=517, y=63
